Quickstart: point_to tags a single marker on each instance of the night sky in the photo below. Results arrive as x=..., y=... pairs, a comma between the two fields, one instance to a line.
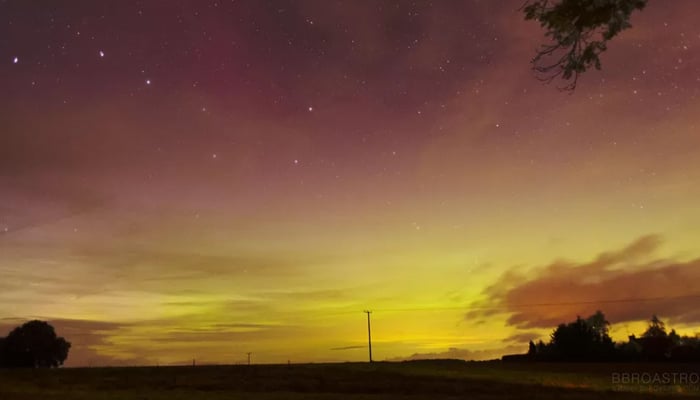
x=201, y=179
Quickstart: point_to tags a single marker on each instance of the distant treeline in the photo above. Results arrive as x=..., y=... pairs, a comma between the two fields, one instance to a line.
x=588, y=340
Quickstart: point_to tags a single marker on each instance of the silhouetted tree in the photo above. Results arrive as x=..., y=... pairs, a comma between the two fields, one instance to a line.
x=33, y=345
x=629, y=351
x=599, y=324
x=532, y=349
x=579, y=31
x=579, y=341
x=543, y=350
x=588, y=340
x=656, y=328
x=656, y=345
x=685, y=348
x=674, y=338
x=691, y=341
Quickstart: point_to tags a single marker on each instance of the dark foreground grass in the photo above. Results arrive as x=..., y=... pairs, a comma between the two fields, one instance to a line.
x=411, y=380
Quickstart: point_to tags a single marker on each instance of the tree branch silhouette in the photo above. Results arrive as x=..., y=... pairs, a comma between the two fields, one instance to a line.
x=579, y=31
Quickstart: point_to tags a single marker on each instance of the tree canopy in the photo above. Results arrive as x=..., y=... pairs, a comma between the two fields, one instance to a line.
x=33, y=345
x=588, y=340
x=579, y=31
x=656, y=328
x=582, y=339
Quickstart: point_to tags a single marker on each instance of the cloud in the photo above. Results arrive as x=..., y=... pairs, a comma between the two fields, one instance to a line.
x=463, y=354
x=627, y=284
x=349, y=348
x=85, y=336
x=42, y=203
x=523, y=337
x=116, y=267
x=149, y=342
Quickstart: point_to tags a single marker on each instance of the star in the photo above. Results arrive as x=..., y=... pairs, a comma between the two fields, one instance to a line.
x=148, y=81
x=296, y=162
x=213, y=156
x=15, y=60
x=102, y=53
x=311, y=108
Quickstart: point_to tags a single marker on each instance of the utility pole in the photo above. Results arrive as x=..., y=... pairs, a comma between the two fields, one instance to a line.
x=249, y=353
x=369, y=334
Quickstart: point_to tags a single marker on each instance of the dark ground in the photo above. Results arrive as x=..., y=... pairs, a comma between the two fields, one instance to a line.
x=409, y=380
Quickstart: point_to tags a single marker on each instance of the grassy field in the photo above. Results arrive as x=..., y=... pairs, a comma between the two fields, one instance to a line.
x=410, y=380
